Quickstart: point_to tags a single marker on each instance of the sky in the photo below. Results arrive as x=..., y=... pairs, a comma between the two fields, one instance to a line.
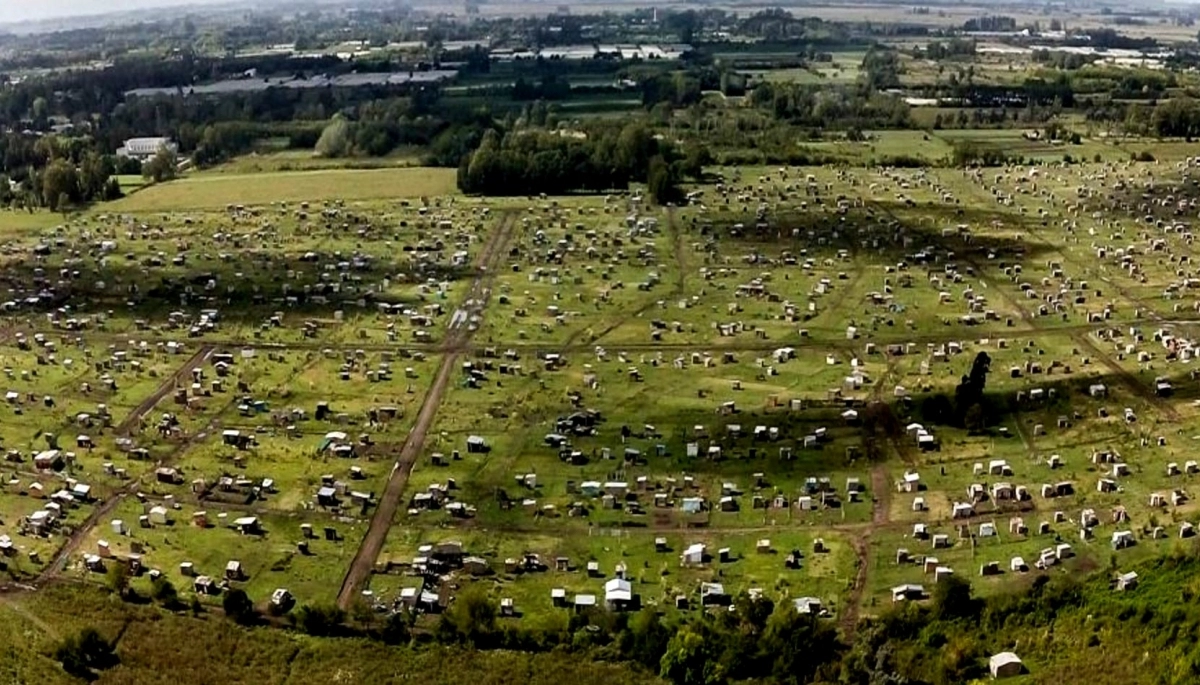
x=24, y=10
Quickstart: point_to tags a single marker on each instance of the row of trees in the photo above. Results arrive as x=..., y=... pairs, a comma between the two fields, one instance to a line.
x=955, y=47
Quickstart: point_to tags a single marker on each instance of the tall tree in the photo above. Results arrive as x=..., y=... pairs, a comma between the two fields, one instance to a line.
x=660, y=181
x=60, y=184
x=163, y=166
x=335, y=139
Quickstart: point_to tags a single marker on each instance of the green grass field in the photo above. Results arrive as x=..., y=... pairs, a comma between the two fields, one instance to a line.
x=215, y=190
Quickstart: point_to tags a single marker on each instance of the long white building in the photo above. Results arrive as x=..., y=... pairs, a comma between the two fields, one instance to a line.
x=145, y=148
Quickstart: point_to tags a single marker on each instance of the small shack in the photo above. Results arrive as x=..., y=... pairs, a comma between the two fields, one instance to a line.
x=1005, y=665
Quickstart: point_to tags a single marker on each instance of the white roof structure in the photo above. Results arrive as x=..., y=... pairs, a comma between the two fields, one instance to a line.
x=807, y=605
x=618, y=590
x=1003, y=663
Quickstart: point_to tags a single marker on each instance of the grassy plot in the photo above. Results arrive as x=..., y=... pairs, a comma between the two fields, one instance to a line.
x=664, y=416
x=213, y=191
x=269, y=559
x=291, y=457
x=651, y=562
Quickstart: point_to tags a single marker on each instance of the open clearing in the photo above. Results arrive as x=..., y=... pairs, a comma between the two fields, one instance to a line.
x=216, y=190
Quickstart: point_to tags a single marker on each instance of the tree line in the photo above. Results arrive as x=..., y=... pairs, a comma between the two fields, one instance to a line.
x=531, y=161
x=57, y=173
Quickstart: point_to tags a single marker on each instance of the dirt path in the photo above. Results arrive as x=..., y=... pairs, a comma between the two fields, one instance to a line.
x=457, y=337
x=165, y=387
x=861, y=541
x=59, y=561
x=848, y=617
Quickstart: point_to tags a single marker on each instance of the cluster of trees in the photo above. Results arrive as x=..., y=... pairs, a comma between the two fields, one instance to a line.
x=955, y=47
x=881, y=69
x=755, y=640
x=56, y=173
x=1121, y=83
x=1057, y=59
x=380, y=128
x=837, y=108
x=163, y=166
x=1111, y=39
x=678, y=89
x=529, y=161
x=1058, y=92
x=777, y=24
x=979, y=117
x=1174, y=118
x=990, y=24
x=222, y=140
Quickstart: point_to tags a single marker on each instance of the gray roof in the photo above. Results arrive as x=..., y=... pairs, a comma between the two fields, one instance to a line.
x=341, y=81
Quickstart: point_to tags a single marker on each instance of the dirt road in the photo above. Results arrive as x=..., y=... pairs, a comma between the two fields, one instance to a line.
x=457, y=337
x=165, y=387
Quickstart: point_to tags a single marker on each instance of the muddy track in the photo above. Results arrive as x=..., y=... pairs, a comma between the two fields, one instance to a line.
x=848, y=617
x=456, y=340
x=860, y=539
x=168, y=384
